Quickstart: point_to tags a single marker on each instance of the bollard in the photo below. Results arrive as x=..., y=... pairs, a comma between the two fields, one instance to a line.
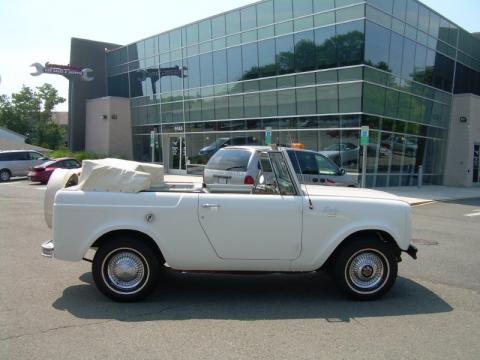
x=420, y=176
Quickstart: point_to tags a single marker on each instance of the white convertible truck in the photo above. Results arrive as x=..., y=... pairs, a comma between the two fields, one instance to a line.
x=139, y=226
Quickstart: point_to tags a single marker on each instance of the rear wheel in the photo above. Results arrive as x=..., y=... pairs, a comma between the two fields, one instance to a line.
x=366, y=269
x=125, y=269
x=5, y=175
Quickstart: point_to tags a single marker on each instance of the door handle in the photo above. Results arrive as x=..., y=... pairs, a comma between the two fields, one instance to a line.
x=210, y=206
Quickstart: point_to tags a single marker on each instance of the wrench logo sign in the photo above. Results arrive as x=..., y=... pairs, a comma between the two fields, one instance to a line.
x=68, y=71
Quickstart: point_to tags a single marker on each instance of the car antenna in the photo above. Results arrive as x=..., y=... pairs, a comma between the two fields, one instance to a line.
x=306, y=188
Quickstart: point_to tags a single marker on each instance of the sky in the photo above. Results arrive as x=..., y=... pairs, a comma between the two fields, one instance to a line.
x=40, y=31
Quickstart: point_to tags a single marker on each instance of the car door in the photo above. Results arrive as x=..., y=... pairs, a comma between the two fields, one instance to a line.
x=23, y=163
x=263, y=225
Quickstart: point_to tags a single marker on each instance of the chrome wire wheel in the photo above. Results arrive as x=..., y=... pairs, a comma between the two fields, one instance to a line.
x=125, y=271
x=367, y=271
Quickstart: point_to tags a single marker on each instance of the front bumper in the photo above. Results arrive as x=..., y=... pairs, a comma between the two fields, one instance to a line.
x=48, y=249
x=412, y=251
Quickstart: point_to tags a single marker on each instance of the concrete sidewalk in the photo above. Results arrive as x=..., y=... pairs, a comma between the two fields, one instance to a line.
x=411, y=194
x=418, y=196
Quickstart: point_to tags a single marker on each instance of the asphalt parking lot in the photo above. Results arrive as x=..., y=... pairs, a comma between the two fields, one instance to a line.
x=51, y=309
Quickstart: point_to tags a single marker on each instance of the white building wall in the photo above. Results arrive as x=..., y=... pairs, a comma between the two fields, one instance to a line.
x=108, y=131
x=461, y=140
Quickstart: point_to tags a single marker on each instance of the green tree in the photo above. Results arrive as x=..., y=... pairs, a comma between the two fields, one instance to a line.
x=29, y=112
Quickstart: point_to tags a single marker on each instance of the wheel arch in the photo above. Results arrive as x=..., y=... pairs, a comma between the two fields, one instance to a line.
x=381, y=235
x=141, y=236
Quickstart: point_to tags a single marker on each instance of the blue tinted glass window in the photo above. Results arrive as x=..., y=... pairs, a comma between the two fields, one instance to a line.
x=326, y=50
x=206, y=69
x=265, y=13
x=420, y=62
x=434, y=26
x=408, y=59
x=220, y=66
x=233, y=22
x=400, y=9
x=133, y=52
x=302, y=7
x=377, y=46
x=177, y=81
x=250, y=61
x=443, y=73
x=192, y=34
x=163, y=43
x=424, y=19
x=322, y=5
x=350, y=41
x=175, y=39
x=165, y=81
x=193, y=78
x=118, y=86
x=218, y=26
x=386, y=5
x=412, y=12
x=266, y=57
x=284, y=54
x=283, y=10
x=305, y=51
x=205, y=30
x=249, y=18
x=396, y=53
x=234, y=63
x=151, y=47
x=429, y=67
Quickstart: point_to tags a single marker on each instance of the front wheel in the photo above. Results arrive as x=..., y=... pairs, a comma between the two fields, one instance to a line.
x=4, y=175
x=366, y=269
x=125, y=269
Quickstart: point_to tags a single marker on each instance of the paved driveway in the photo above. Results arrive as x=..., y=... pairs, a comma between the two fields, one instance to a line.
x=51, y=309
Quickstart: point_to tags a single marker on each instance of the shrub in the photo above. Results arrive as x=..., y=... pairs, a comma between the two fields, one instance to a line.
x=79, y=155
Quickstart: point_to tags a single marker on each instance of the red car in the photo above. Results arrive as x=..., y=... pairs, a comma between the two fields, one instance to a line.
x=41, y=173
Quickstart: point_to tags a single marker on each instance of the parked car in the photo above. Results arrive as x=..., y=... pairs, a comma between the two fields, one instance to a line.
x=42, y=173
x=348, y=153
x=357, y=235
x=240, y=165
x=220, y=143
x=341, y=152
x=18, y=162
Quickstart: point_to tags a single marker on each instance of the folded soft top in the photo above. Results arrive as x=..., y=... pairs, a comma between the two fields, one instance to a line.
x=115, y=175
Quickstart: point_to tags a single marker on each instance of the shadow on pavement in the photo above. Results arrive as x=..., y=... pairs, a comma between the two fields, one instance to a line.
x=473, y=201
x=248, y=298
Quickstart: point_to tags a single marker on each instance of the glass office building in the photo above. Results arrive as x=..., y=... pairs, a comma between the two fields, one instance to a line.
x=312, y=71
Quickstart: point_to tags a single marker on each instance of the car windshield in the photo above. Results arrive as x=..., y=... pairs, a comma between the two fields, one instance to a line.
x=220, y=142
x=48, y=163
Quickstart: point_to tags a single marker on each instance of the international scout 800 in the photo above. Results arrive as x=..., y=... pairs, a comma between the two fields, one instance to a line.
x=140, y=226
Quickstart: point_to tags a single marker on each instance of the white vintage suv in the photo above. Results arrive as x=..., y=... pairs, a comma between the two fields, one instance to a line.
x=139, y=228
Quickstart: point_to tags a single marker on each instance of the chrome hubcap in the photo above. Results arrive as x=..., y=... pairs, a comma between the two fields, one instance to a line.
x=366, y=270
x=126, y=270
x=4, y=176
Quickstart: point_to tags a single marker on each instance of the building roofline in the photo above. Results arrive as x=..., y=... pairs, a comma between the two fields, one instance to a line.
x=259, y=2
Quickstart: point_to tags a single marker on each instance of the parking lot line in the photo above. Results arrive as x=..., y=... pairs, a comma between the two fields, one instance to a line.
x=474, y=213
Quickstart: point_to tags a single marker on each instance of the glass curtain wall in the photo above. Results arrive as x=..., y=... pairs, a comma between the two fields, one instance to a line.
x=311, y=70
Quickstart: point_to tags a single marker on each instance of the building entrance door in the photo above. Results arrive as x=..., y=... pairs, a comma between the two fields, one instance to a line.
x=177, y=155
x=476, y=164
